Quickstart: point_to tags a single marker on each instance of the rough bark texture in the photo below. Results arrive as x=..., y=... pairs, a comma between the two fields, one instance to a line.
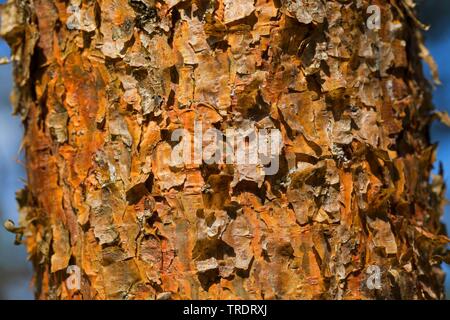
x=101, y=84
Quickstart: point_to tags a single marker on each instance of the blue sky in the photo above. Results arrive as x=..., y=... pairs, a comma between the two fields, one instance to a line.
x=15, y=270
x=440, y=49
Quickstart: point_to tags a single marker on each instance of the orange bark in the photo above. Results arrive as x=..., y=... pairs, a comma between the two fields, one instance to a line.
x=101, y=85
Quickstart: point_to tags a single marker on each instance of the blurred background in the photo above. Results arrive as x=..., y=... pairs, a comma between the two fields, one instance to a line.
x=15, y=271
x=436, y=14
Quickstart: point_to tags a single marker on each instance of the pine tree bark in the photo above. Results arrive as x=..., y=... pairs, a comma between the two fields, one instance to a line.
x=101, y=85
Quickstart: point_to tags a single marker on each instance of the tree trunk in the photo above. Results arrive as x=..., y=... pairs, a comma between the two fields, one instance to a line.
x=351, y=212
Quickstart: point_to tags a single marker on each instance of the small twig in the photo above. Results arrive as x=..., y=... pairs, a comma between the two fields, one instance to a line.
x=18, y=231
x=4, y=60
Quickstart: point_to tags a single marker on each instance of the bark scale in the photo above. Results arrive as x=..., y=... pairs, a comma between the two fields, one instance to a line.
x=101, y=85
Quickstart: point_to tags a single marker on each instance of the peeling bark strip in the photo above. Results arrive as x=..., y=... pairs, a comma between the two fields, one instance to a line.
x=102, y=84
